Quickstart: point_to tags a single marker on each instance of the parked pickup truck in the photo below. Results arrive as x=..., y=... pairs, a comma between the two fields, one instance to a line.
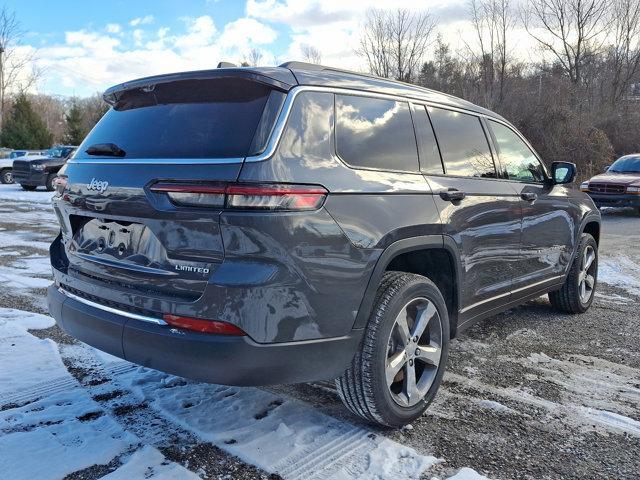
x=6, y=163
x=33, y=171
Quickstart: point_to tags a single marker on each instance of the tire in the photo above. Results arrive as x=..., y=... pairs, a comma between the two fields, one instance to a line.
x=49, y=183
x=572, y=298
x=364, y=387
x=6, y=176
x=28, y=188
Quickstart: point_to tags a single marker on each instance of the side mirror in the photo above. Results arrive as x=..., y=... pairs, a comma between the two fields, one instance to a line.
x=606, y=168
x=563, y=172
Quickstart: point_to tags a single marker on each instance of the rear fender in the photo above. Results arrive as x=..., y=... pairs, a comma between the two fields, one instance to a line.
x=392, y=251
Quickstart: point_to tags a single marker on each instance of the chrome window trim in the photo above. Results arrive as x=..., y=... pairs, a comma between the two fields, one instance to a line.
x=278, y=129
x=115, y=311
x=295, y=91
x=160, y=161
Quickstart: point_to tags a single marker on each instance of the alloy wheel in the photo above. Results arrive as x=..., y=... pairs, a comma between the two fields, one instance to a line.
x=414, y=352
x=586, y=277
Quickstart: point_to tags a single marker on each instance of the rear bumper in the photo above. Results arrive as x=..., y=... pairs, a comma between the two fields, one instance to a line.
x=30, y=178
x=621, y=200
x=210, y=358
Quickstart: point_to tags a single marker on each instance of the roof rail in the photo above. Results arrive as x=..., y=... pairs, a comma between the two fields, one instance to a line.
x=226, y=65
x=320, y=68
x=302, y=65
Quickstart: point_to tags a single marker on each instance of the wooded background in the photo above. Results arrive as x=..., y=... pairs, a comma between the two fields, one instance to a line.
x=576, y=96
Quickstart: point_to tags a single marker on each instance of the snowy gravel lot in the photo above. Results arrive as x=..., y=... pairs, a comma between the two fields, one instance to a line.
x=528, y=394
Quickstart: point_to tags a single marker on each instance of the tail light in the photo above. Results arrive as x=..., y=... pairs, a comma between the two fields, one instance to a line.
x=60, y=184
x=281, y=197
x=196, y=195
x=275, y=197
x=203, y=326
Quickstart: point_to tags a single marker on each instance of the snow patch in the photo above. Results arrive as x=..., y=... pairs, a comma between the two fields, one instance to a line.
x=467, y=474
x=276, y=434
x=149, y=463
x=15, y=193
x=620, y=271
x=38, y=421
x=496, y=406
x=613, y=420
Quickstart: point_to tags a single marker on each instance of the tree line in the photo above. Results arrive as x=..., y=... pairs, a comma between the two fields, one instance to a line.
x=576, y=98
x=579, y=101
x=36, y=122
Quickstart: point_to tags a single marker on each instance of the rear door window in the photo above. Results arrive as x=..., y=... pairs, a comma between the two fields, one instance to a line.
x=214, y=118
x=463, y=144
x=375, y=133
x=517, y=159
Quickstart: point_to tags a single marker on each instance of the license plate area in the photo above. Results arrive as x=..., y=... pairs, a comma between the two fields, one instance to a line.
x=121, y=241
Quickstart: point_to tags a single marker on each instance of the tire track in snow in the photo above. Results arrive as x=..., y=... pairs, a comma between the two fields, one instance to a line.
x=338, y=452
x=276, y=434
x=52, y=386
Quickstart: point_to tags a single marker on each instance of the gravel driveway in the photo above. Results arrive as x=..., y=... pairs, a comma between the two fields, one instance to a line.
x=528, y=394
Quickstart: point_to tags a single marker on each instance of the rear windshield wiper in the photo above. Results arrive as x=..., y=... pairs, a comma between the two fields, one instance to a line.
x=106, y=149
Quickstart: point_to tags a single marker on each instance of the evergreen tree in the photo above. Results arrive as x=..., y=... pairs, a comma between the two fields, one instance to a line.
x=24, y=128
x=74, y=130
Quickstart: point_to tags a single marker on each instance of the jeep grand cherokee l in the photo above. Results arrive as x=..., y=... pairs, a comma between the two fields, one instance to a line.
x=252, y=226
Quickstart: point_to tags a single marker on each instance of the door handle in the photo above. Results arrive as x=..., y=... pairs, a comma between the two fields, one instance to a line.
x=529, y=196
x=452, y=195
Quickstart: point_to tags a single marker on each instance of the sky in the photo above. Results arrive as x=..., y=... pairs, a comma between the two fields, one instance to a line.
x=86, y=46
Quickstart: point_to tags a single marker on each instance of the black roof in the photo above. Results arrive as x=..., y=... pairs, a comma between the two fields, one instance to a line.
x=291, y=74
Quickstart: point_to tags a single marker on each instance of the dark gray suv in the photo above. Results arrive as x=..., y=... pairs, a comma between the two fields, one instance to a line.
x=252, y=226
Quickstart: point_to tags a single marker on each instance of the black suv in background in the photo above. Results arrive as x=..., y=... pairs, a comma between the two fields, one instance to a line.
x=34, y=171
x=252, y=226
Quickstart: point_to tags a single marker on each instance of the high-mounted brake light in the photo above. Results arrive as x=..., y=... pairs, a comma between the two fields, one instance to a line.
x=203, y=326
x=245, y=196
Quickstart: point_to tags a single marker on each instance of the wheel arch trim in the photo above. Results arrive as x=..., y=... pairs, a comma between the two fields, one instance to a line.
x=406, y=245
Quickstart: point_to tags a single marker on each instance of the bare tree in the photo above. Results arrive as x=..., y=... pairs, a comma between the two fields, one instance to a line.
x=394, y=42
x=255, y=57
x=15, y=73
x=625, y=51
x=311, y=54
x=493, y=21
x=573, y=30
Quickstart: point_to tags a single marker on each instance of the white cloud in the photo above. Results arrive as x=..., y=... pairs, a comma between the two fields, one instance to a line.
x=201, y=31
x=245, y=33
x=146, y=20
x=113, y=28
x=90, y=60
x=138, y=35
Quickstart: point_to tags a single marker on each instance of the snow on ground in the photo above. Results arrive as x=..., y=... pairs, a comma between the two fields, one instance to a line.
x=149, y=463
x=620, y=271
x=47, y=432
x=46, y=414
x=468, y=474
x=15, y=193
x=275, y=433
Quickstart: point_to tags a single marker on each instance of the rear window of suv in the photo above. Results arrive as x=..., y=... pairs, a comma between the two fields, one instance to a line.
x=215, y=118
x=375, y=133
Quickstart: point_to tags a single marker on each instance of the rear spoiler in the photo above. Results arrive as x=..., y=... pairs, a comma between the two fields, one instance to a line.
x=279, y=78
